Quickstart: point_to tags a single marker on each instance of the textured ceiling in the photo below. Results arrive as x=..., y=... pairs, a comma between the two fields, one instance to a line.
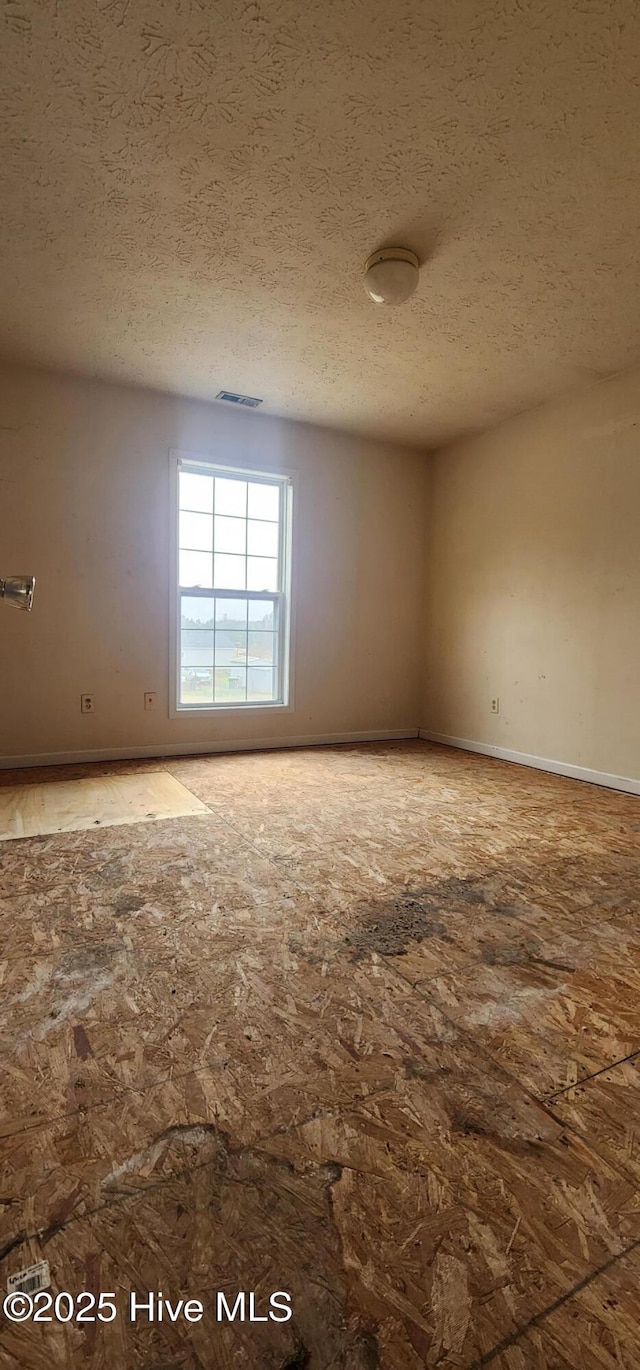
x=189, y=189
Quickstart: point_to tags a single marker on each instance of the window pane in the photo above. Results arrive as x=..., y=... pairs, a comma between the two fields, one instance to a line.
x=196, y=492
x=197, y=613
x=264, y=501
x=196, y=685
x=260, y=683
x=262, y=614
x=230, y=535
x=261, y=649
x=231, y=497
x=229, y=572
x=262, y=539
x=229, y=547
x=196, y=532
x=231, y=647
x=231, y=613
x=196, y=568
x=197, y=649
x=231, y=684
x=262, y=573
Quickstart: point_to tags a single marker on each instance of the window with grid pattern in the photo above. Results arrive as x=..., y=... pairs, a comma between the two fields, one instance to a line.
x=232, y=587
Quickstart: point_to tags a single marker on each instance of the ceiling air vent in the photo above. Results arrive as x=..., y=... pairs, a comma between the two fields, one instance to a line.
x=232, y=398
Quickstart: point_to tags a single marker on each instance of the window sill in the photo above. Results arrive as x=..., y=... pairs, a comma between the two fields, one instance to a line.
x=189, y=710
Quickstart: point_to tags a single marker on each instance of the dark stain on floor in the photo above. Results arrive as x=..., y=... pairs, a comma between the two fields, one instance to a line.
x=387, y=926
x=525, y=954
x=300, y=1359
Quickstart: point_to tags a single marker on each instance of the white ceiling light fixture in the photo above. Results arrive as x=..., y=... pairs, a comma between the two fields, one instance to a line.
x=391, y=275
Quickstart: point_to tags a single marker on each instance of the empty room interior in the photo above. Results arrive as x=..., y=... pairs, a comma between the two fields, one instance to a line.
x=320, y=664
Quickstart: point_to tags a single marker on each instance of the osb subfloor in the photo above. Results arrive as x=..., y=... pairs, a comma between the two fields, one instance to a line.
x=368, y=1033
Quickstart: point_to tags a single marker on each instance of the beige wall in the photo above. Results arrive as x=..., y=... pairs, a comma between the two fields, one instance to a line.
x=532, y=578
x=84, y=503
x=533, y=583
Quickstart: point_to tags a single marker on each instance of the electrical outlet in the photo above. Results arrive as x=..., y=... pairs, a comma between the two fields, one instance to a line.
x=151, y=701
x=87, y=704
x=495, y=705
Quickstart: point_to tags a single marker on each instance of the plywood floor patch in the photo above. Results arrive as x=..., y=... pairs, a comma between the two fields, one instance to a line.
x=100, y=802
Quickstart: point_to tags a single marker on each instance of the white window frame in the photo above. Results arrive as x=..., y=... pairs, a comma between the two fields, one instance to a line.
x=214, y=466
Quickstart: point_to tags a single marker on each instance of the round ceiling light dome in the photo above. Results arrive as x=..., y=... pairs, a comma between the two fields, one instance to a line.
x=391, y=275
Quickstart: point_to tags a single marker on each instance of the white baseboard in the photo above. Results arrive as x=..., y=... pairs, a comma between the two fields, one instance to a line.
x=539, y=763
x=160, y=749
